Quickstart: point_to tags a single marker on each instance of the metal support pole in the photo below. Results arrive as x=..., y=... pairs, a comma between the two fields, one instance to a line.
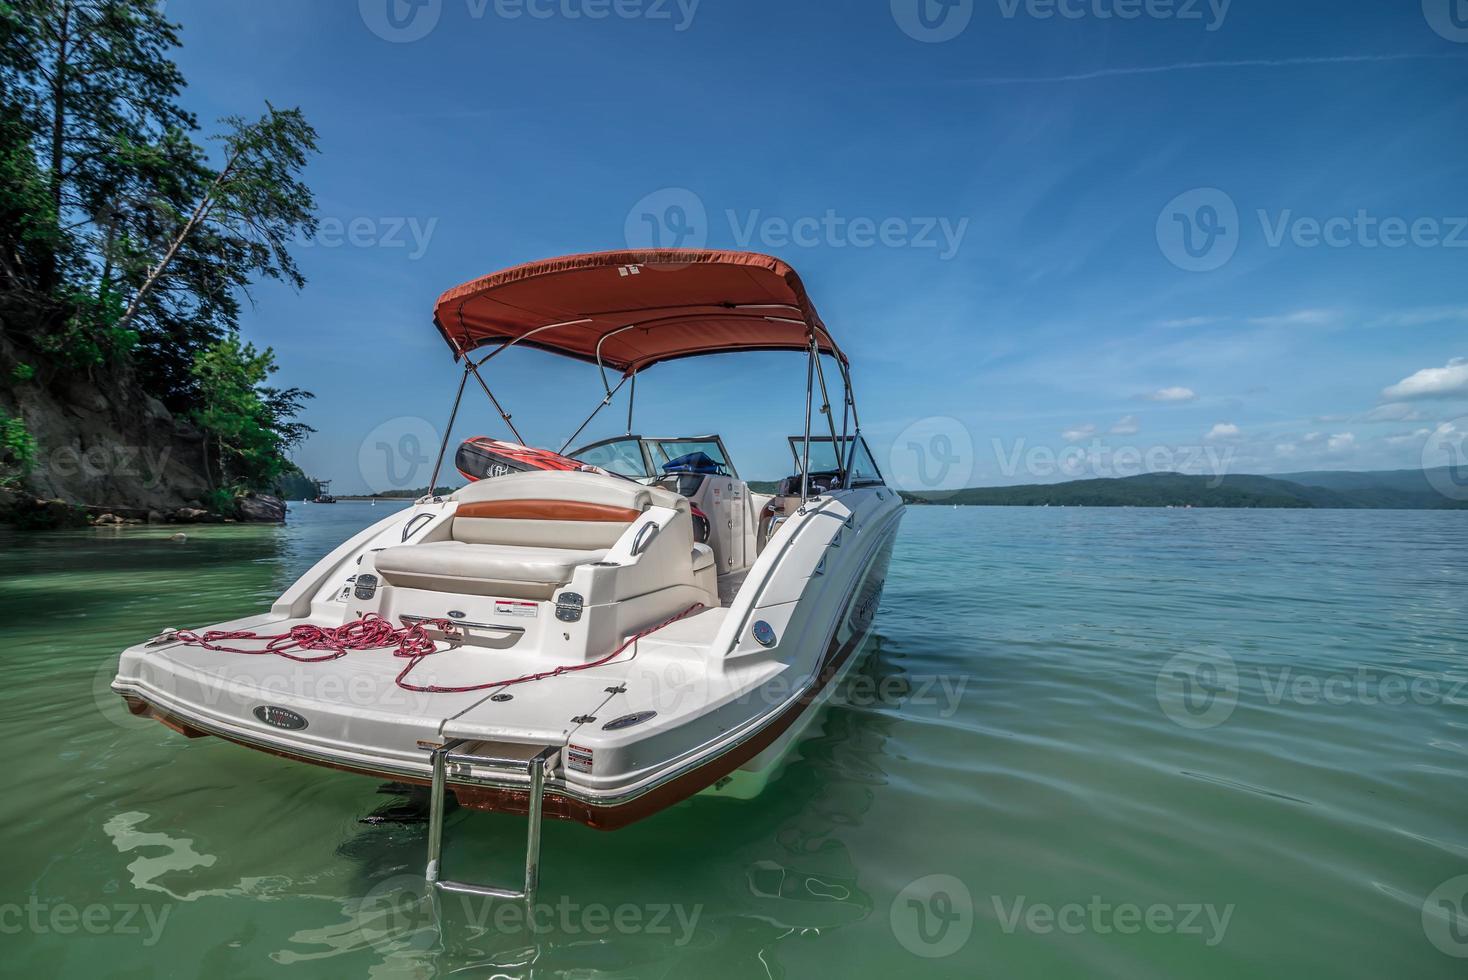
x=594, y=412
x=532, y=839
x=496, y=403
x=631, y=400
x=435, y=815
x=448, y=430
x=810, y=376
x=855, y=420
x=830, y=419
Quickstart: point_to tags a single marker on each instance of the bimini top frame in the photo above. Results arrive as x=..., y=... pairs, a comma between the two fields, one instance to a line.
x=627, y=311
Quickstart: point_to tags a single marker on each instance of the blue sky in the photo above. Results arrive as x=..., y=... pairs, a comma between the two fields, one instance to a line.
x=1057, y=240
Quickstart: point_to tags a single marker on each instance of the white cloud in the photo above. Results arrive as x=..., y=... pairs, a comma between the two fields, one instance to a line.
x=1408, y=438
x=1423, y=317
x=1176, y=394
x=1342, y=442
x=1078, y=432
x=1125, y=426
x=1223, y=430
x=1393, y=412
x=1444, y=382
x=1191, y=321
x=1285, y=449
x=1300, y=318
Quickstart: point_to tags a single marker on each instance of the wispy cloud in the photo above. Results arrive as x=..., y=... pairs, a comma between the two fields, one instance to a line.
x=1125, y=426
x=1183, y=66
x=1078, y=432
x=1174, y=394
x=1422, y=317
x=1191, y=321
x=1392, y=412
x=1299, y=318
x=1223, y=430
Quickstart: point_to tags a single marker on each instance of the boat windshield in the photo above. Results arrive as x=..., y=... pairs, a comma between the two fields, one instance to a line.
x=823, y=458
x=645, y=458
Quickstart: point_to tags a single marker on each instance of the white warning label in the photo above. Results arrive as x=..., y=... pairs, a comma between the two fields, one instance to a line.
x=578, y=758
x=509, y=607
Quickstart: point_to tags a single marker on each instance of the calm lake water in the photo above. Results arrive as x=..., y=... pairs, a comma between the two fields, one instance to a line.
x=1119, y=743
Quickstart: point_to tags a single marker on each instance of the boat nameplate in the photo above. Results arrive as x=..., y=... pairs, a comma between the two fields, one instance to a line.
x=278, y=717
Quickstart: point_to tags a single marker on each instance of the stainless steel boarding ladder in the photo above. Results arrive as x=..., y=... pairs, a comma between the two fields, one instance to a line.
x=534, y=768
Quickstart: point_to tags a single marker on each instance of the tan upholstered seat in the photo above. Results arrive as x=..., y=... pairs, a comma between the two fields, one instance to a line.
x=522, y=535
x=513, y=571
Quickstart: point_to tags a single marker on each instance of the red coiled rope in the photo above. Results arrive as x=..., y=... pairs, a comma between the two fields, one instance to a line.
x=372, y=632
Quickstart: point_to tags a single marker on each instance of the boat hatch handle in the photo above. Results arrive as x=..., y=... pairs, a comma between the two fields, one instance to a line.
x=417, y=521
x=645, y=534
x=535, y=769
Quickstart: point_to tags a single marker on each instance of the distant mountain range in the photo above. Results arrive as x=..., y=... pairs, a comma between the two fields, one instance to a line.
x=1383, y=490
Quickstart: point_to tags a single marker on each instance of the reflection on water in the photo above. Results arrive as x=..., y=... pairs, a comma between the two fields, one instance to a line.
x=1061, y=710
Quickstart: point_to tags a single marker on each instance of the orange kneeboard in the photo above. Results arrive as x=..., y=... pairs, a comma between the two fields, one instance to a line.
x=481, y=458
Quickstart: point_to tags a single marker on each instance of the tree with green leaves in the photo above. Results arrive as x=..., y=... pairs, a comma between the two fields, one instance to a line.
x=127, y=238
x=251, y=424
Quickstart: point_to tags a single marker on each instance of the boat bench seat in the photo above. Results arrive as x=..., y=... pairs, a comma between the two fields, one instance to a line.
x=523, y=535
x=513, y=571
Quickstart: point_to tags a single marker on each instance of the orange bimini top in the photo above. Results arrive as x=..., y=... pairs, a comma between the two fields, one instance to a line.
x=629, y=310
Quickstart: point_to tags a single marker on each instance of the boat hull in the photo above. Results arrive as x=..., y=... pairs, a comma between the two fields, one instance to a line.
x=842, y=615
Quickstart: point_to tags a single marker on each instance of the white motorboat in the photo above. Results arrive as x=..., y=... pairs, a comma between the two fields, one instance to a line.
x=594, y=638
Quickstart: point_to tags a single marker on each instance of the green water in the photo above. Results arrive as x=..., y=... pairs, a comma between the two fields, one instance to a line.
x=1137, y=743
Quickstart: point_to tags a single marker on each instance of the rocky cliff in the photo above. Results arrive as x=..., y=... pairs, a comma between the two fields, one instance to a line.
x=105, y=451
